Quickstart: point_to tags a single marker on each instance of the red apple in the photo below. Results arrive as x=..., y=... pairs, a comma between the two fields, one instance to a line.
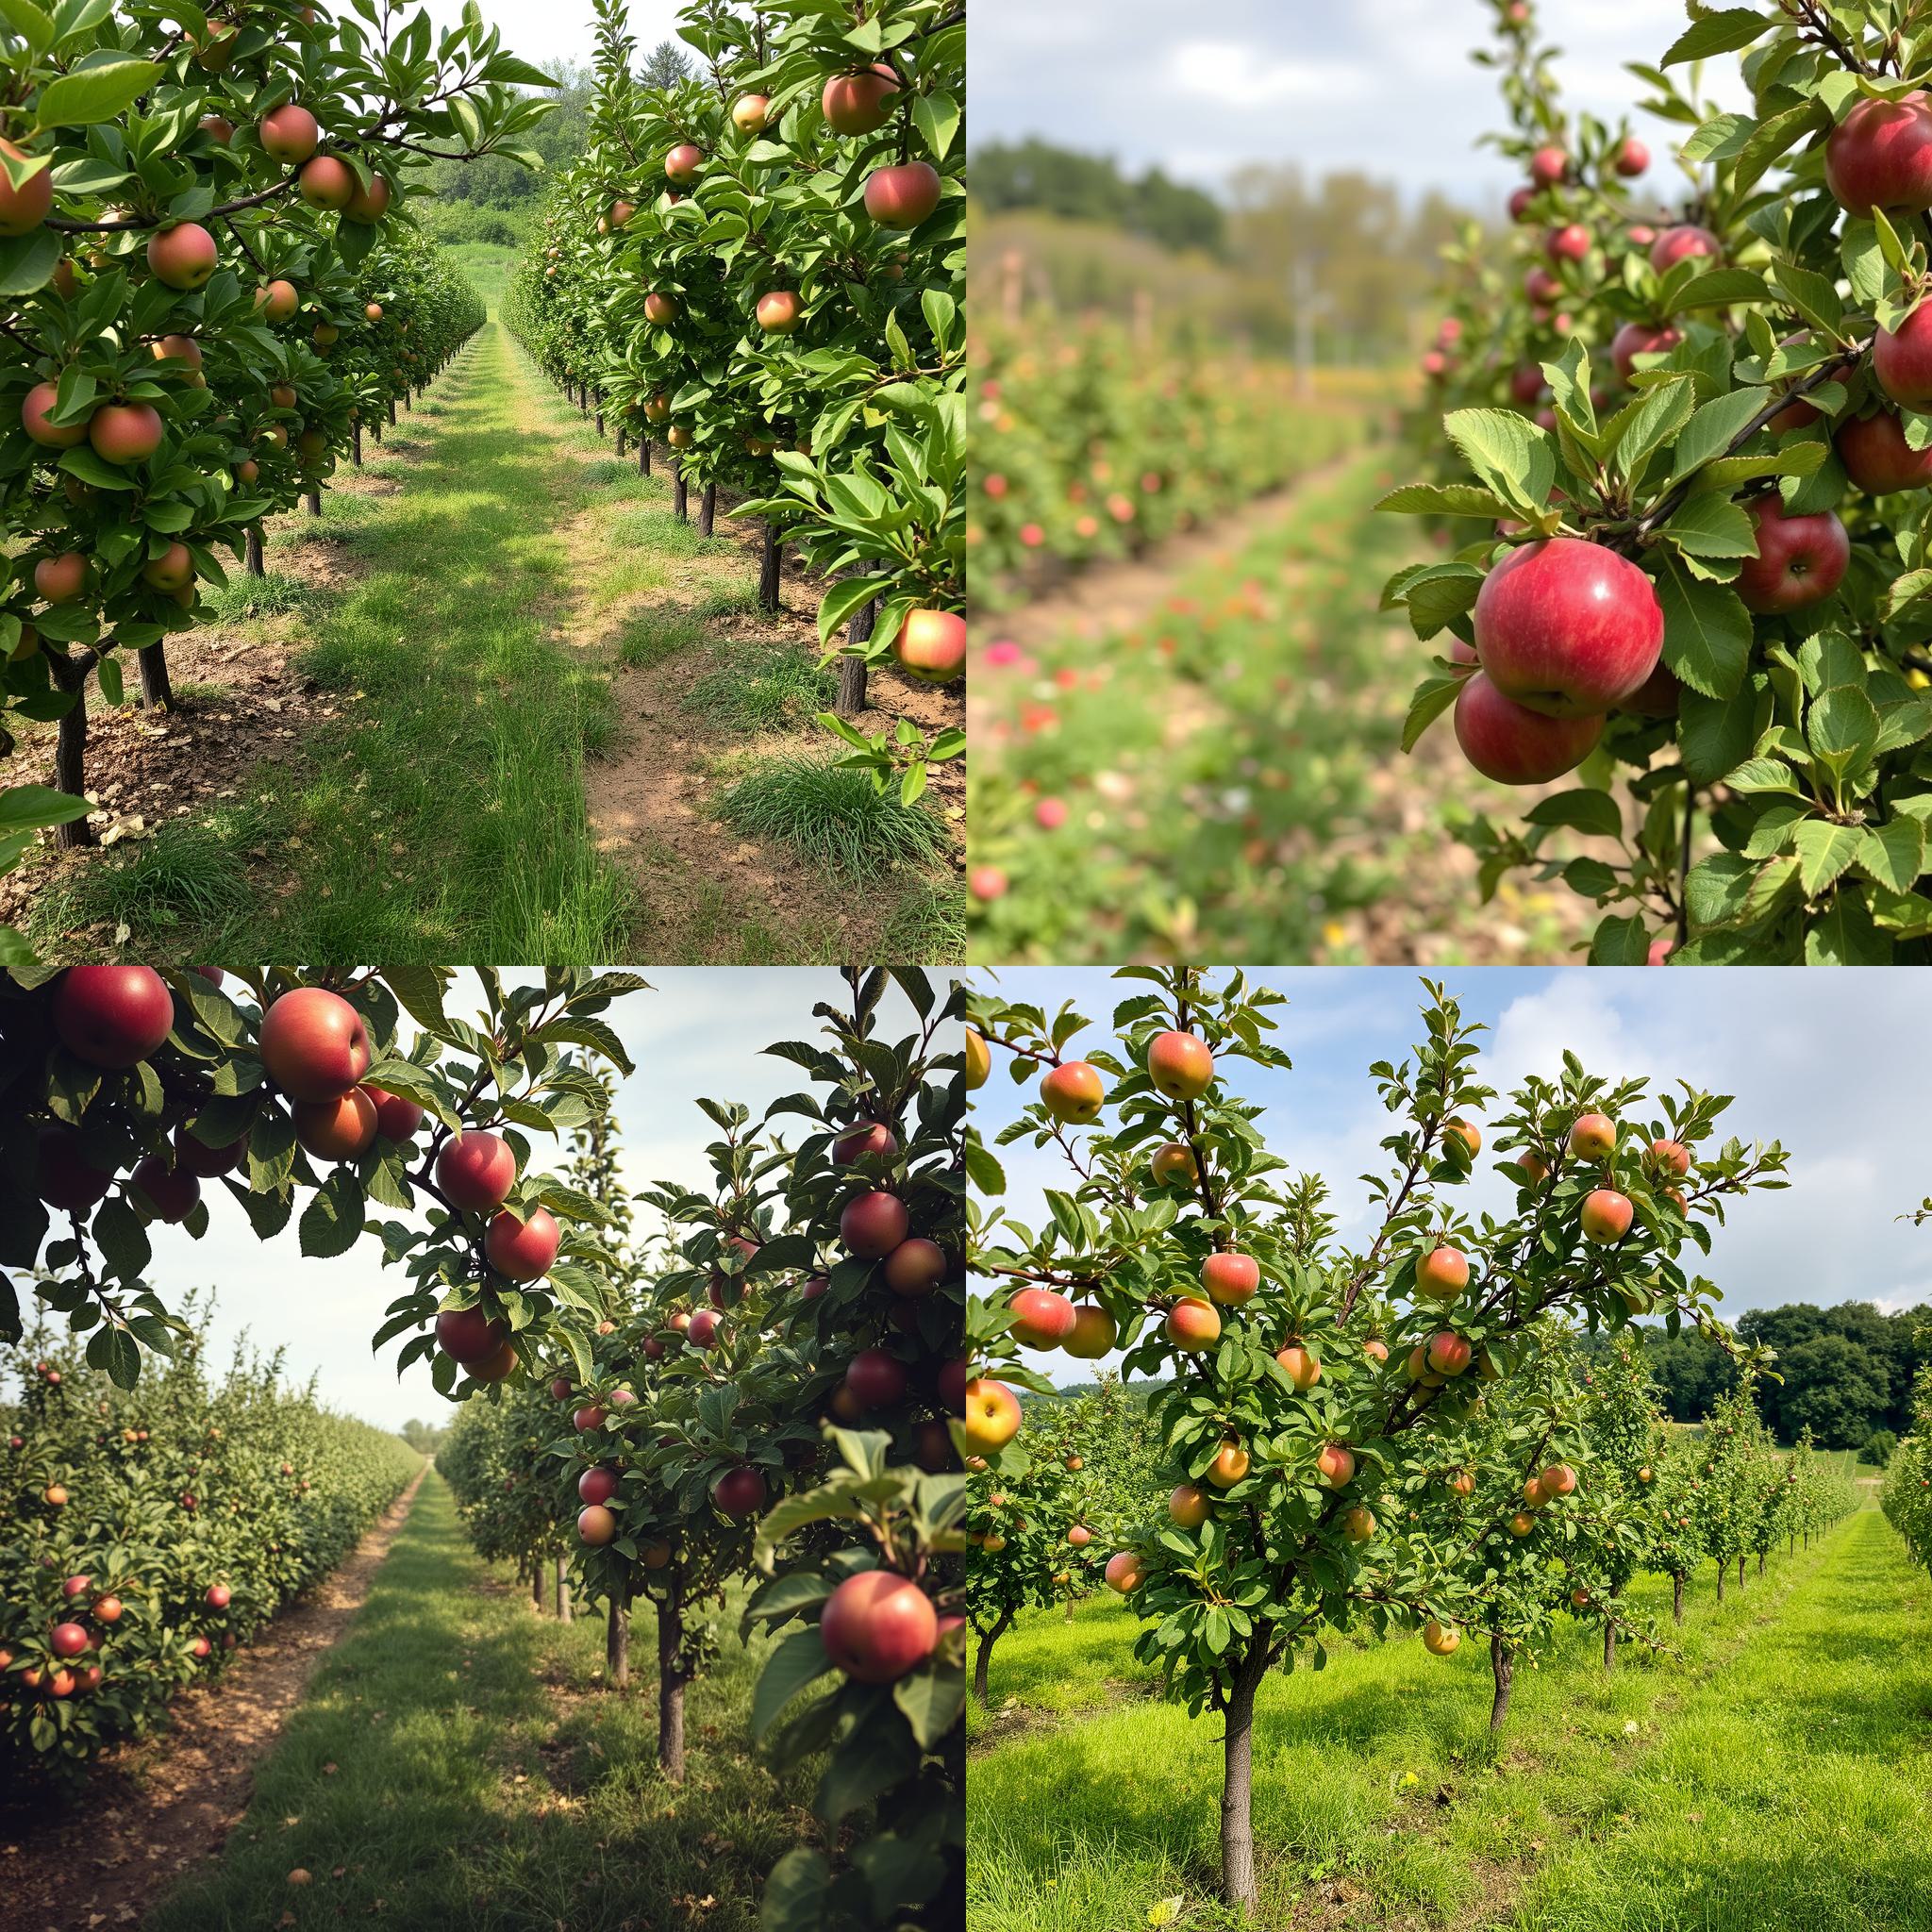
x=597, y=1484
x=1570, y=242
x=780, y=311
x=326, y=182
x=172, y=1190
x=1606, y=1216
x=1880, y=156
x=871, y=1225
x=34, y=407
x=902, y=196
x=1442, y=1275
x=1298, y=1365
x=468, y=1335
x=1801, y=559
x=1878, y=458
x=1180, y=1065
x=1514, y=745
x=1124, y=1573
x=1230, y=1279
x=522, y=1249
x=1682, y=243
x=1041, y=1318
x=915, y=1267
x=1567, y=627
x=64, y=1179
x=705, y=1327
x=396, y=1119
x=1548, y=166
x=931, y=646
x=1637, y=339
x=314, y=1044
x=69, y=1639
x=591, y=1416
x=683, y=162
x=1193, y=1326
x=217, y=1596
x=1632, y=158
x=289, y=134
x=1073, y=1091
x=112, y=1016
x=860, y=102
x=596, y=1524
x=183, y=256
x=338, y=1129
x=477, y=1170
x=876, y=1379
x=739, y=1492
x=878, y=1626
x=1334, y=1465
x=23, y=208
x=125, y=432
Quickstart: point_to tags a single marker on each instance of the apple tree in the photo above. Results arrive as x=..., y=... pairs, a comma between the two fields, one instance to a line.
x=1225, y=1277
x=1728, y=470
x=1906, y=1496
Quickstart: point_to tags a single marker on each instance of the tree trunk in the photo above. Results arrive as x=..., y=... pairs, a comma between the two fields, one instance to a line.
x=671, y=1683
x=70, y=750
x=617, y=1644
x=562, y=1590
x=644, y=454
x=1721, y=1568
x=1503, y=1669
x=1237, y=1886
x=537, y=1585
x=680, y=494
x=157, y=690
x=376, y=429
x=254, y=550
x=356, y=443
x=391, y=411
x=1677, y=1595
x=600, y=412
x=851, y=698
x=1740, y=1568
x=314, y=503
x=984, y=1657
x=707, y=512
x=1610, y=1631
x=620, y=438
x=767, y=571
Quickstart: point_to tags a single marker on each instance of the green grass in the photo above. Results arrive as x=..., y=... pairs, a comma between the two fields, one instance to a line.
x=482, y=1775
x=762, y=687
x=1770, y=1780
x=836, y=819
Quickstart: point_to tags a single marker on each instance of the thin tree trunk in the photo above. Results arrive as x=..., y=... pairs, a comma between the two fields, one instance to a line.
x=620, y=438
x=376, y=429
x=1721, y=1568
x=768, y=570
x=600, y=412
x=617, y=1643
x=1503, y=1669
x=708, y=511
x=537, y=1585
x=851, y=698
x=562, y=1590
x=670, y=1683
x=1237, y=1884
x=681, y=494
x=156, y=690
x=1740, y=1568
x=315, y=503
x=356, y=443
x=70, y=750
x=391, y=411
x=644, y=454
x=983, y=1658
x=1610, y=1631
x=254, y=566
x=1760, y=1562
x=1677, y=1595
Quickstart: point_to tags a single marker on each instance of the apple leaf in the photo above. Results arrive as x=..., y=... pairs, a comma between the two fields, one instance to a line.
x=1717, y=33
x=1619, y=941
x=1706, y=631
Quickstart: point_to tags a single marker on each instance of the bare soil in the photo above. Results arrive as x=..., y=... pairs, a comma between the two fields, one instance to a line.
x=154, y=1809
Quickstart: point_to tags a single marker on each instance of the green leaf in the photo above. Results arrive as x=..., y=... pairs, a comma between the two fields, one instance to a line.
x=1713, y=428
x=95, y=93
x=1841, y=728
x=1432, y=697
x=799, y=1661
x=1823, y=850
x=1717, y=33
x=1619, y=942
x=332, y=1221
x=1510, y=453
x=1715, y=734
x=1894, y=855
x=1591, y=813
x=1706, y=631
x=1449, y=500
x=1708, y=525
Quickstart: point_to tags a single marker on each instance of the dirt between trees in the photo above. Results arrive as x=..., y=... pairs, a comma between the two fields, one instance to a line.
x=153, y=1809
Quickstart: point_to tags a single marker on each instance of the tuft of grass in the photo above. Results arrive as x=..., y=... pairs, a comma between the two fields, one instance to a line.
x=653, y=634
x=833, y=818
x=652, y=525
x=762, y=687
x=928, y=927
x=458, y=1761
x=185, y=879
x=272, y=594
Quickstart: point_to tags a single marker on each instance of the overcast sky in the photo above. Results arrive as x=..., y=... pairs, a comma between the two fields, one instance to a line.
x=549, y=32
x=1835, y=1067
x=700, y=1031
x=1383, y=86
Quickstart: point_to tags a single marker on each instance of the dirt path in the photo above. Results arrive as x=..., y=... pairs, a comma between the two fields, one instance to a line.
x=152, y=1809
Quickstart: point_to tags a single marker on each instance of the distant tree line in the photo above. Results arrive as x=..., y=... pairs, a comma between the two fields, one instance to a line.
x=1091, y=188
x=1844, y=1372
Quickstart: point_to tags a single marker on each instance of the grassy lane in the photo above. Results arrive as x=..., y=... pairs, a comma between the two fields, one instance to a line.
x=1772, y=1779
x=457, y=1764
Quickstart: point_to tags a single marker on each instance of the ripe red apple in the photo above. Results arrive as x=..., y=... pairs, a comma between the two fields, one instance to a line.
x=1592, y=1136
x=780, y=311
x=1442, y=1275
x=107, y=1609
x=1880, y=156
x=314, y=1044
x=876, y=1379
x=201, y=1647
x=1514, y=745
x=991, y=1411
x=1633, y=158
x=1559, y=1479
x=931, y=645
x=1230, y=1279
x=172, y=1190
x=1174, y=1165
x=1682, y=243
x=860, y=102
x=1567, y=628
x=1192, y=1324
x=683, y=162
x=1124, y=1573
x=873, y=1225
x=749, y=112
x=23, y=208
x=75, y=1586
x=1637, y=339
x=338, y=1129
x=1375, y=1349
x=739, y=1492
x=704, y=1329
x=597, y=1484
x=1448, y=1353
x=1520, y=202
x=198, y=1157
x=218, y=129
x=62, y=1177
x=878, y=1626
x=61, y=578
x=112, y=1016
x=172, y=571
x=1229, y=1466
x=591, y=1416
x=34, y=407
x=1180, y=1065
x=289, y=134
x=1299, y=1365
x=1542, y=287
x=1671, y=1156
x=1548, y=166
x=864, y=1138
x=477, y=1170
x=1801, y=559
x=1041, y=1318
x=467, y=1335
x=1334, y=1465
x=366, y=207
x=217, y=1597
x=915, y=1267
x=596, y=1524
x=903, y=197
x=183, y=256
x=68, y=1640
x=1570, y=242
x=1606, y=1216
x=396, y=1119
x=326, y=182
x=523, y=1250
x=1878, y=458
x=1073, y=1091
x=1526, y=384
x=125, y=432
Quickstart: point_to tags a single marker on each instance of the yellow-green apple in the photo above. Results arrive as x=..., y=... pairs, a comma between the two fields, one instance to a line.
x=1041, y=1317
x=978, y=1059
x=1124, y=1573
x=1592, y=1136
x=1442, y=1275
x=1606, y=1216
x=1801, y=559
x=1072, y=1092
x=1464, y=1134
x=1880, y=156
x=1299, y=1365
x=1094, y=1331
x=1567, y=628
x=1559, y=1479
x=1334, y=1465
x=993, y=1416
x=1359, y=1524
x=749, y=112
x=1180, y=1065
x=1229, y=1466
x=1192, y=1324
x=1514, y=745
x=1230, y=1279
x=1441, y=1639
x=1173, y=1166
x=1189, y=1506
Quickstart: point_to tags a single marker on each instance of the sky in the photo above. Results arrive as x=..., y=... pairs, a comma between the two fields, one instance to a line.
x=700, y=1031
x=1381, y=85
x=1834, y=1068
x=554, y=31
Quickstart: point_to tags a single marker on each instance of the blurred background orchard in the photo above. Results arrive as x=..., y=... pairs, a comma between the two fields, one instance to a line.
x=1208, y=260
